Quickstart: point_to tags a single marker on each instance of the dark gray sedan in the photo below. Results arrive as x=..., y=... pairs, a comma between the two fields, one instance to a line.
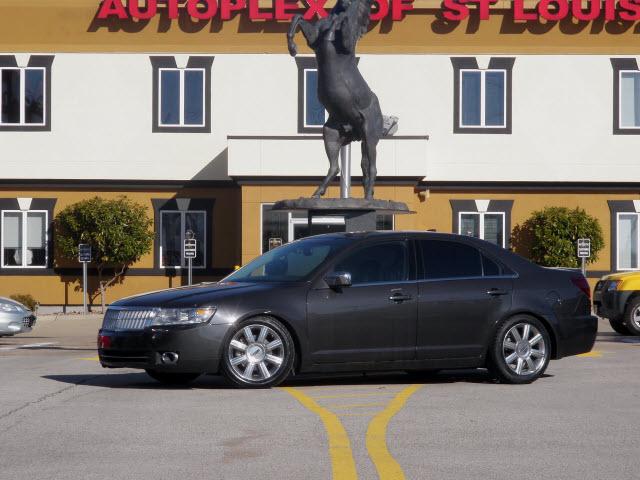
x=358, y=302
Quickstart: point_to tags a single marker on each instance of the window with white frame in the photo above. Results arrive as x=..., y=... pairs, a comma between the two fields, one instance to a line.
x=22, y=98
x=628, y=241
x=629, y=99
x=489, y=226
x=181, y=97
x=314, y=113
x=173, y=228
x=483, y=98
x=24, y=239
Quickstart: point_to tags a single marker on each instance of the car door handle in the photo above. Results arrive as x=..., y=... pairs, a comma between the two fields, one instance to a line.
x=400, y=297
x=495, y=292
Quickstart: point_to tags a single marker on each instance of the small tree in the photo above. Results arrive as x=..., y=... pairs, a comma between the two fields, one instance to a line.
x=119, y=232
x=549, y=236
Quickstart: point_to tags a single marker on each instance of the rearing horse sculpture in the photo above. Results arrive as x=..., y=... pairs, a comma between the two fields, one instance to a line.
x=354, y=110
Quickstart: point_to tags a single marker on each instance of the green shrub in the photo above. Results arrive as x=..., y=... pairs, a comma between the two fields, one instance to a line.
x=549, y=237
x=25, y=299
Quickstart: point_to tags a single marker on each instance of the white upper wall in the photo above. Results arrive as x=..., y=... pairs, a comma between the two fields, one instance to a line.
x=102, y=123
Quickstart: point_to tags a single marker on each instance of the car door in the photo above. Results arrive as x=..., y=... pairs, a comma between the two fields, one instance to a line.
x=374, y=319
x=461, y=294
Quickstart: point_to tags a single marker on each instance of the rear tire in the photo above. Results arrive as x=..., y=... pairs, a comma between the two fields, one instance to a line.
x=520, y=351
x=631, y=317
x=172, y=378
x=258, y=353
x=619, y=327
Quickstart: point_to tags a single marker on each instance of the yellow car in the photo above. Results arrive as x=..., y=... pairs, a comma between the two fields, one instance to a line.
x=617, y=298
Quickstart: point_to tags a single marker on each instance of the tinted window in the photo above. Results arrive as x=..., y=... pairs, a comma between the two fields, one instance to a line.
x=291, y=262
x=444, y=259
x=490, y=268
x=378, y=263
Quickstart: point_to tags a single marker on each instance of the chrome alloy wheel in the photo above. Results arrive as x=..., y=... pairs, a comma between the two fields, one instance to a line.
x=523, y=349
x=256, y=353
x=635, y=317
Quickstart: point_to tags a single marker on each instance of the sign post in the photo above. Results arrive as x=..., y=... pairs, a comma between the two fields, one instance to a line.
x=84, y=257
x=584, y=252
x=189, y=252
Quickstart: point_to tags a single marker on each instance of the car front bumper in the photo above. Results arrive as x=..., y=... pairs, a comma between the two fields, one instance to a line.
x=198, y=348
x=611, y=304
x=16, y=322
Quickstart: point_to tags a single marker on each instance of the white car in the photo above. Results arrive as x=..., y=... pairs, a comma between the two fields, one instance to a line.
x=15, y=317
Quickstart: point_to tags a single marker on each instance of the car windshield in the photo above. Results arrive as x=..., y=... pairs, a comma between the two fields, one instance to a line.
x=290, y=263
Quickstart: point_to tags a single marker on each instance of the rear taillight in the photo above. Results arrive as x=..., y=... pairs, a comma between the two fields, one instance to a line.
x=582, y=285
x=104, y=341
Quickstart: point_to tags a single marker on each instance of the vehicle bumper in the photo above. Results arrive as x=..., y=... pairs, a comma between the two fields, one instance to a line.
x=611, y=305
x=576, y=335
x=198, y=348
x=13, y=323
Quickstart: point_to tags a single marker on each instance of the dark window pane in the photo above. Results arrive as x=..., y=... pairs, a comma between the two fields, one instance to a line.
x=494, y=99
x=376, y=263
x=384, y=222
x=470, y=224
x=444, y=259
x=314, y=111
x=170, y=97
x=493, y=228
x=11, y=96
x=195, y=221
x=275, y=228
x=34, y=96
x=489, y=267
x=171, y=239
x=193, y=97
x=470, y=103
x=12, y=238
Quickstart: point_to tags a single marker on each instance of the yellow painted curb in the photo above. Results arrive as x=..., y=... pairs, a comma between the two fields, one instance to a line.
x=387, y=466
x=91, y=359
x=591, y=354
x=342, y=464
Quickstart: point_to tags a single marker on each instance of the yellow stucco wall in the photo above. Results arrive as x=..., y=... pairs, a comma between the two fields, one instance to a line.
x=57, y=290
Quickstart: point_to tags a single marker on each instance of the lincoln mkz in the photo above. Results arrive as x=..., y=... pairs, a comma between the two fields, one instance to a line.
x=354, y=302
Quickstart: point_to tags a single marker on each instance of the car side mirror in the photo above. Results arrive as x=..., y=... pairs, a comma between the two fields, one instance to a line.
x=338, y=279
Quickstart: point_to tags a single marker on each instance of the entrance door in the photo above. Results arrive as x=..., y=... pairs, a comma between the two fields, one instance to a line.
x=372, y=320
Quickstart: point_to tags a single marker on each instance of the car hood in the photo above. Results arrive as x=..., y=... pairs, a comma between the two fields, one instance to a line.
x=194, y=296
x=621, y=276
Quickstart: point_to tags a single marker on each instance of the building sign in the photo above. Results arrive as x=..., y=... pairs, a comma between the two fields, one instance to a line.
x=452, y=10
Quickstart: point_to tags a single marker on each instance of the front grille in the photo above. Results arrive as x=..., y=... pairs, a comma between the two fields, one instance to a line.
x=128, y=318
x=28, y=321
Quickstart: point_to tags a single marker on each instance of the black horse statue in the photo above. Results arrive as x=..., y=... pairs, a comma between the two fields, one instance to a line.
x=354, y=110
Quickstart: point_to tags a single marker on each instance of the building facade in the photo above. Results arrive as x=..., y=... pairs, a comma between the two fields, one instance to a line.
x=207, y=122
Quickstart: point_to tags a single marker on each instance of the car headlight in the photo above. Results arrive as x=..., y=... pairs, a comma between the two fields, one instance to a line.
x=613, y=285
x=182, y=316
x=11, y=307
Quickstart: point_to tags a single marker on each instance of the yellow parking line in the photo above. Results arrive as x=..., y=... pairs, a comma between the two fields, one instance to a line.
x=387, y=466
x=370, y=414
x=342, y=464
x=591, y=354
x=354, y=395
x=91, y=359
x=355, y=405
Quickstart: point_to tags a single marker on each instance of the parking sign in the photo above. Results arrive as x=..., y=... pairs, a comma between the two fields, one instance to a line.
x=584, y=247
x=190, y=248
x=84, y=253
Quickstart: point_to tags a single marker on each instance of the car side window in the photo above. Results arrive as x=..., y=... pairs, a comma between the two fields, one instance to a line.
x=443, y=259
x=490, y=268
x=379, y=263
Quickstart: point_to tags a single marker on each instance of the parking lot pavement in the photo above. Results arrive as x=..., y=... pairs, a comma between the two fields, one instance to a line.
x=64, y=417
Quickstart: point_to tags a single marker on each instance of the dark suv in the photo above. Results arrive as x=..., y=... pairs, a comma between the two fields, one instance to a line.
x=357, y=302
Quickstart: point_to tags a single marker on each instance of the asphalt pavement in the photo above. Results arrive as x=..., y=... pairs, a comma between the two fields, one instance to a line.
x=62, y=416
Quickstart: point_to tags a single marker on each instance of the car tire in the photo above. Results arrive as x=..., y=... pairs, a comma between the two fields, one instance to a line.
x=631, y=317
x=520, y=350
x=619, y=327
x=258, y=353
x=172, y=378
